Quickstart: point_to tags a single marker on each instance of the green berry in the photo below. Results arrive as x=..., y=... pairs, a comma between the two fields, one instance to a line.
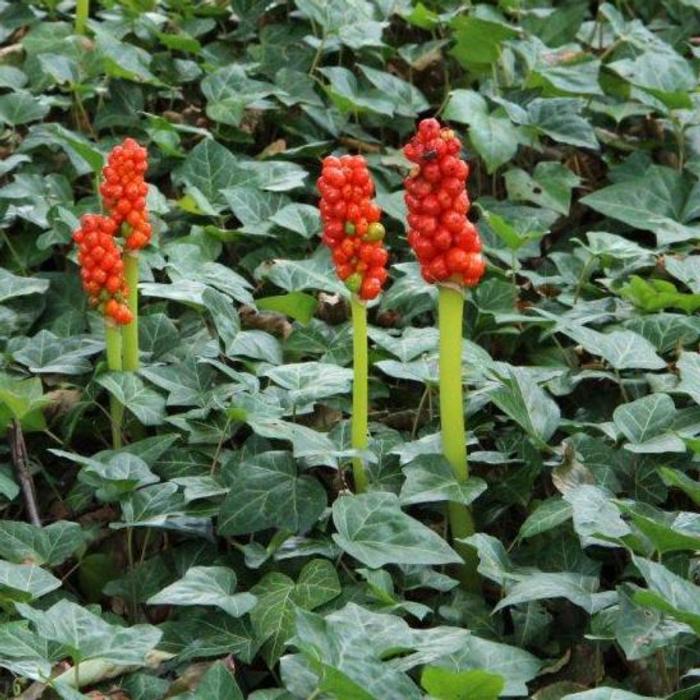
x=354, y=282
x=375, y=232
x=349, y=228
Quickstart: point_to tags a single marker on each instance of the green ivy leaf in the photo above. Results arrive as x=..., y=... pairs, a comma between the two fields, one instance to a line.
x=207, y=585
x=279, y=597
x=147, y=405
x=268, y=493
x=445, y=684
x=87, y=636
x=373, y=529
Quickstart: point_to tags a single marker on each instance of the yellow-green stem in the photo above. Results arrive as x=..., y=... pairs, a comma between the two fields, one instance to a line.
x=131, y=330
x=450, y=309
x=359, y=391
x=82, y=10
x=113, y=339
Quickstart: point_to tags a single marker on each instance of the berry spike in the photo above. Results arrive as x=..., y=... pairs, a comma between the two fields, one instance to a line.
x=124, y=191
x=101, y=267
x=445, y=242
x=448, y=249
x=351, y=227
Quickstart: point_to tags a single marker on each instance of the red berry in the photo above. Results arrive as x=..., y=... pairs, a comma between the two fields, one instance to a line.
x=370, y=288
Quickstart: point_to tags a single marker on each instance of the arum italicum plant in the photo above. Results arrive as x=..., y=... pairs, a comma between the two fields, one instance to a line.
x=109, y=262
x=448, y=249
x=353, y=232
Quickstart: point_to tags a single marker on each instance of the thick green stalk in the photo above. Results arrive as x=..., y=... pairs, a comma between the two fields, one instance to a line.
x=359, y=390
x=450, y=309
x=82, y=10
x=113, y=338
x=131, y=330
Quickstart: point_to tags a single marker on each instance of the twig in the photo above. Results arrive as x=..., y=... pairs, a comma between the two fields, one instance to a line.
x=6, y=51
x=20, y=460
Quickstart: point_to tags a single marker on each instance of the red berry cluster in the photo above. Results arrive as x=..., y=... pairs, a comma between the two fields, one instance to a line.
x=124, y=191
x=351, y=227
x=102, y=269
x=445, y=242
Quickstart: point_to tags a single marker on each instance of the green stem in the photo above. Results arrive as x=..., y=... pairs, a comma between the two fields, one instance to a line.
x=359, y=390
x=113, y=338
x=82, y=10
x=450, y=309
x=131, y=331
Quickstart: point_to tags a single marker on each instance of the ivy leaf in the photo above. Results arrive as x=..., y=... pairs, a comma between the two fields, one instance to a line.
x=524, y=401
x=217, y=684
x=559, y=118
x=494, y=137
x=21, y=107
x=22, y=399
x=47, y=353
x=297, y=305
x=147, y=405
x=657, y=201
x=479, y=39
x=667, y=532
x=373, y=529
x=660, y=71
x=310, y=381
x=430, y=478
x=549, y=186
x=315, y=272
x=576, y=588
x=253, y=207
x=689, y=366
x=606, y=694
x=349, y=96
x=622, y=349
x=548, y=515
x=300, y=218
x=445, y=684
x=269, y=493
x=12, y=286
x=674, y=477
x=22, y=652
x=279, y=597
x=346, y=659
x=49, y=545
x=207, y=585
x=645, y=419
x=22, y=582
x=88, y=636
x=210, y=168
x=669, y=593
x=408, y=99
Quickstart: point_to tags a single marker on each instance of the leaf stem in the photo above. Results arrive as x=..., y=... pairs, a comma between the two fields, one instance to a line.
x=359, y=390
x=82, y=10
x=131, y=331
x=450, y=310
x=113, y=338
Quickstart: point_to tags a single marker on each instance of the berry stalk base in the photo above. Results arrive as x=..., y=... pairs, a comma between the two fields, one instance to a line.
x=113, y=339
x=359, y=390
x=450, y=310
x=82, y=10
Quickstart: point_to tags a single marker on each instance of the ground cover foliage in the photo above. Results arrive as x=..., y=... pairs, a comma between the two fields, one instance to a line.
x=220, y=553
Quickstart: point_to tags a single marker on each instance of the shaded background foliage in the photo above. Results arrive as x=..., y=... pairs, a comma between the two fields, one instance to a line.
x=219, y=554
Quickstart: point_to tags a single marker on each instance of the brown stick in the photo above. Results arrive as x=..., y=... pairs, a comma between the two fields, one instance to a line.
x=20, y=460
